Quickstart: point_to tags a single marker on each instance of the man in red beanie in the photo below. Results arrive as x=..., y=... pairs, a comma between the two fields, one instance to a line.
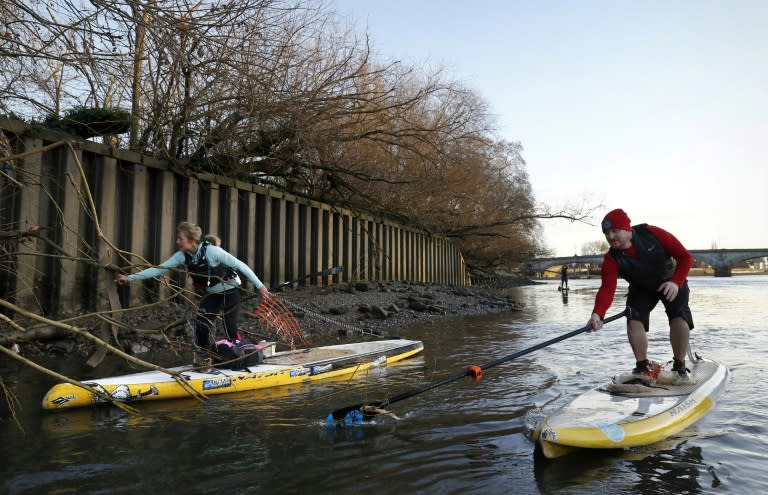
x=656, y=265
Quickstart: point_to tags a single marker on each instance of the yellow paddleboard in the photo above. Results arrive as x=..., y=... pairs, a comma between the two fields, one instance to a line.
x=615, y=417
x=281, y=368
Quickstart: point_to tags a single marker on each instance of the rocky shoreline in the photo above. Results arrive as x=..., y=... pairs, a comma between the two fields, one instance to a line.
x=356, y=309
x=376, y=308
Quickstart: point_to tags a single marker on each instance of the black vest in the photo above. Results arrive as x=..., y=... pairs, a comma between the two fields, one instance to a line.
x=653, y=265
x=203, y=275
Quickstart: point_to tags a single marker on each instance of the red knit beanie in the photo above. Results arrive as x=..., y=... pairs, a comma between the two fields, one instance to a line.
x=616, y=219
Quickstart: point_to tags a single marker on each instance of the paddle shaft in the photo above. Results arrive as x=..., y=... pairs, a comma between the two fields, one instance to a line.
x=323, y=273
x=341, y=413
x=548, y=343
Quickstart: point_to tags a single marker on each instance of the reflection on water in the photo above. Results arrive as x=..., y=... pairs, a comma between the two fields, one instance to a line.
x=671, y=466
x=464, y=437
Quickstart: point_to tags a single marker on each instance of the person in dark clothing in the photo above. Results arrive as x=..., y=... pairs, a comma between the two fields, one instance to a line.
x=656, y=265
x=564, y=277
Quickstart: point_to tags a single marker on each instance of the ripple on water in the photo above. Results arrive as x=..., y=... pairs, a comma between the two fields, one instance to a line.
x=464, y=438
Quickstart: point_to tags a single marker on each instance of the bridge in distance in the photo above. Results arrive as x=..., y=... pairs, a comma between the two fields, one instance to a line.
x=722, y=260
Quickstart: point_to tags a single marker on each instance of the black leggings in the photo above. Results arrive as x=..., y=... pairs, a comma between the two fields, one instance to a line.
x=211, y=306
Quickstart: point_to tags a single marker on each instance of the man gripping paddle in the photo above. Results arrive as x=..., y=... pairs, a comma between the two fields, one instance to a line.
x=656, y=265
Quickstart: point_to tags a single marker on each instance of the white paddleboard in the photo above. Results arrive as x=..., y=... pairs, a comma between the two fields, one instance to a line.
x=619, y=416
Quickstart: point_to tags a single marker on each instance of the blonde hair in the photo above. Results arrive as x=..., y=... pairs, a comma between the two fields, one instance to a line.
x=213, y=239
x=189, y=230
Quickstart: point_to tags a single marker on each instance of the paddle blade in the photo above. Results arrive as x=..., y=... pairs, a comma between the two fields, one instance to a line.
x=352, y=417
x=359, y=413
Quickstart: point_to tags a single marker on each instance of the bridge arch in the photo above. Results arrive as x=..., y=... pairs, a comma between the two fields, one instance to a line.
x=541, y=265
x=721, y=260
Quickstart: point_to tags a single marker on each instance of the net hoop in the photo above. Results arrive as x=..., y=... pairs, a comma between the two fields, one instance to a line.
x=278, y=323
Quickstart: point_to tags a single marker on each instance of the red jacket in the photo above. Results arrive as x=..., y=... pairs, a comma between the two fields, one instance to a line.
x=610, y=270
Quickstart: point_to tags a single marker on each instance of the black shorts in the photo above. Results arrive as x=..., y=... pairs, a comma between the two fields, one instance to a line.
x=642, y=301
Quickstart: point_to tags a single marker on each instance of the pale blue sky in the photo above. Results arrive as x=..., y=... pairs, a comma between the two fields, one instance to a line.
x=657, y=107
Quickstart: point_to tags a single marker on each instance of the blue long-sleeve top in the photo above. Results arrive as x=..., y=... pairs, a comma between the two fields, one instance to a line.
x=216, y=256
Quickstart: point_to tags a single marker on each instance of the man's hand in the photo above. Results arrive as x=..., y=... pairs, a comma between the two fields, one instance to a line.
x=596, y=322
x=669, y=290
x=121, y=278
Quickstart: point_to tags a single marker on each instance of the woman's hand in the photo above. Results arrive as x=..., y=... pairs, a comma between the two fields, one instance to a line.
x=264, y=292
x=121, y=279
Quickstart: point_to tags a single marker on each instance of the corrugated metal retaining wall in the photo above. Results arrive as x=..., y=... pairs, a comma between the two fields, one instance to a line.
x=137, y=203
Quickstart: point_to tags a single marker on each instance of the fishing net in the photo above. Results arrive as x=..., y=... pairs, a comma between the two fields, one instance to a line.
x=278, y=323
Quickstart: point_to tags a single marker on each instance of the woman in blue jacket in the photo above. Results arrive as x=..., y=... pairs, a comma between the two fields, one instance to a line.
x=216, y=276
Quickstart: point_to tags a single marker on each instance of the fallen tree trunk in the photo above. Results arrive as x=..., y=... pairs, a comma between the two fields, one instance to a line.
x=37, y=333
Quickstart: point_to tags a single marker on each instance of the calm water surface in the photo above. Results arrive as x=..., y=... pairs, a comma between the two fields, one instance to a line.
x=463, y=438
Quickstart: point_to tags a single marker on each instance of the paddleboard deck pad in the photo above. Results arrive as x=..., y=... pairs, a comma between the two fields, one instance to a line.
x=620, y=415
x=281, y=368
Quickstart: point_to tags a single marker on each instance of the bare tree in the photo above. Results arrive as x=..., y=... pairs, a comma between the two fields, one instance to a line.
x=280, y=93
x=57, y=55
x=594, y=248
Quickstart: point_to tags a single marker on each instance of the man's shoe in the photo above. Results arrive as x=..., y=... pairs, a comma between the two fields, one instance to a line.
x=680, y=373
x=642, y=373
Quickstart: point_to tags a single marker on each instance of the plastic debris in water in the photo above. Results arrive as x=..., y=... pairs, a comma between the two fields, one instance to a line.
x=353, y=417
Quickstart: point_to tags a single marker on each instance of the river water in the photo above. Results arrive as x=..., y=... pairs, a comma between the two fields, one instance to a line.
x=462, y=438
